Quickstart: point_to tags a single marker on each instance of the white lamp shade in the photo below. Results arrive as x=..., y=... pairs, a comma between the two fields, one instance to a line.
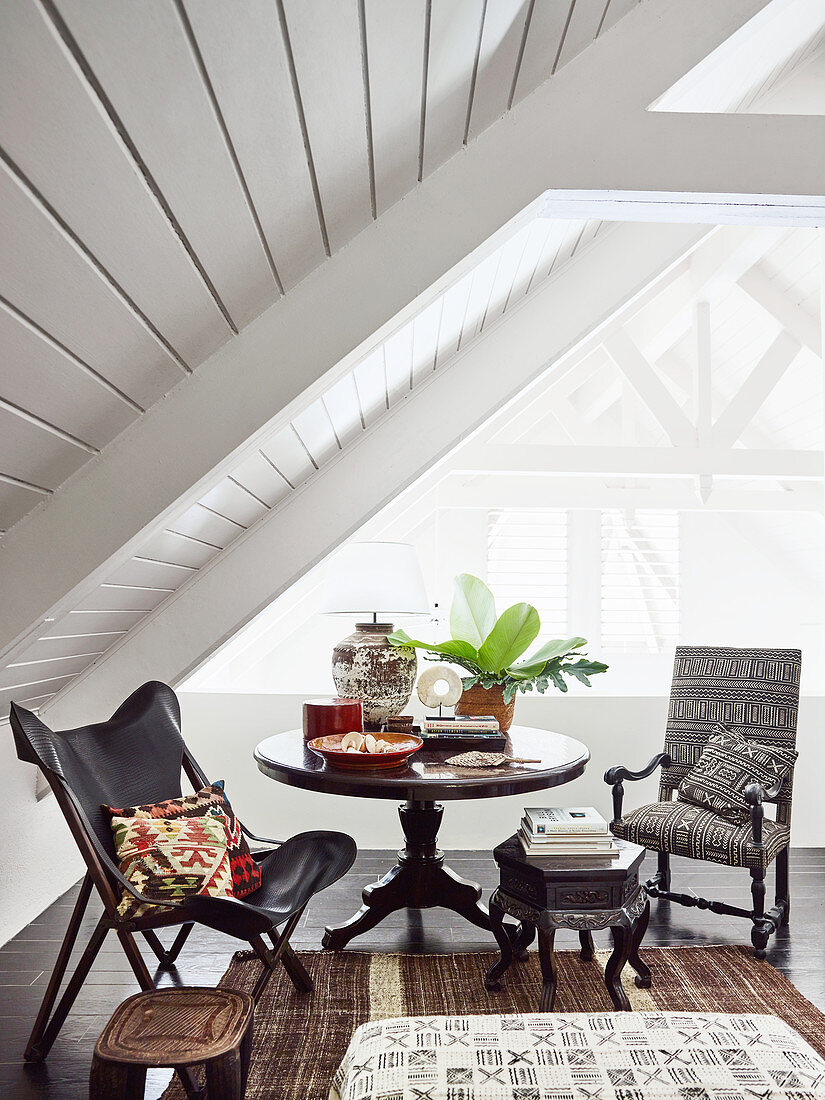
x=380, y=578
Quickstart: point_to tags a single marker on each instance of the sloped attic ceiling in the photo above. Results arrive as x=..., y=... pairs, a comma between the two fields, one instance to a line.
x=184, y=447
x=170, y=169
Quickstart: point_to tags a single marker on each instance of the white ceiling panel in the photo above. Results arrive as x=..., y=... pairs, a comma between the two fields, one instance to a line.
x=27, y=673
x=44, y=277
x=84, y=623
x=206, y=526
x=545, y=34
x=113, y=597
x=500, y=48
x=176, y=132
x=249, y=71
x=289, y=456
x=28, y=451
x=371, y=384
x=147, y=573
x=16, y=502
x=316, y=432
x=395, y=32
x=54, y=129
x=40, y=377
x=455, y=29
x=86, y=645
x=584, y=22
x=257, y=474
x=344, y=409
x=426, y=327
x=178, y=549
x=326, y=39
x=234, y=502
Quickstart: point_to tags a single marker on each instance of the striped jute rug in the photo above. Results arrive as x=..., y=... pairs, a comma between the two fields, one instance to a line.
x=299, y=1040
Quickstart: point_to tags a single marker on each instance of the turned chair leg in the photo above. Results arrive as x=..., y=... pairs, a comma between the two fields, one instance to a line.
x=761, y=928
x=663, y=870
x=783, y=886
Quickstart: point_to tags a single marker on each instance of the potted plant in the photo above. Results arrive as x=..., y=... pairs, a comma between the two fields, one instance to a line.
x=489, y=648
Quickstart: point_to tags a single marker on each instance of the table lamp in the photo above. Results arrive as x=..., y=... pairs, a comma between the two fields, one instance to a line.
x=379, y=579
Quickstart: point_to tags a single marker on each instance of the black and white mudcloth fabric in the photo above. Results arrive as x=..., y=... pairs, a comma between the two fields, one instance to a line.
x=754, y=691
x=729, y=762
x=687, y=830
x=579, y=1056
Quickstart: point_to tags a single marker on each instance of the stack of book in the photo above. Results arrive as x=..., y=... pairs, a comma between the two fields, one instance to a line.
x=580, y=832
x=466, y=726
x=481, y=731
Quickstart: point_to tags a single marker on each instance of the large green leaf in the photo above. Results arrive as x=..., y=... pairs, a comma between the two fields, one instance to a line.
x=451, y=648
x=473, y=610
x=548, y=652
x=515, y=630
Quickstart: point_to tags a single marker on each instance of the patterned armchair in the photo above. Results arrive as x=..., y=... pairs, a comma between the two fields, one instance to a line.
x=754, y=692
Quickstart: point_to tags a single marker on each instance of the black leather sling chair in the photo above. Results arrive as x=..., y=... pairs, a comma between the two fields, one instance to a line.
x=133, y=759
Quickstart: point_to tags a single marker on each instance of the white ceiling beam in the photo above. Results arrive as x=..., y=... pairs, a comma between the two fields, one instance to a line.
x=754, y=391
x=790, y=316
x=535, y=460
x=547, y=329
x=712, y=268
x=180, y=446
x=704, y=388
x=459, y=491
x=649, y=386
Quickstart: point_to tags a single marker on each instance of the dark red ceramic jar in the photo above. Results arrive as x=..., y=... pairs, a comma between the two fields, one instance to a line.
x=325, y=716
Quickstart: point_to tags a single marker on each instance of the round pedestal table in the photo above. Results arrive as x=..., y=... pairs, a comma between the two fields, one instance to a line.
x=420, y=879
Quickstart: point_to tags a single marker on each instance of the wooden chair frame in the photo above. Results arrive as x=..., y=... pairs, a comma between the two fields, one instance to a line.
x=765, y=924
x=239, y=918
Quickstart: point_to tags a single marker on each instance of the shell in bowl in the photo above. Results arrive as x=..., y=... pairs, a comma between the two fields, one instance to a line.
x=402, y=747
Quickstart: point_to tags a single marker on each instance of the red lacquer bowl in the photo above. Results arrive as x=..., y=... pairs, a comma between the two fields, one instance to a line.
x=404, y=745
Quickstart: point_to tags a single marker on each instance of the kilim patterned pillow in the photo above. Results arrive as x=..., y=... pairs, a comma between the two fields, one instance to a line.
x=727, y=765
x=246, y=874
x=170, y=860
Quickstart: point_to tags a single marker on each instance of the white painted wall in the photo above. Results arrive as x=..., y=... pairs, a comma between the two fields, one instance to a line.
x=38, y=858
x=223, y=730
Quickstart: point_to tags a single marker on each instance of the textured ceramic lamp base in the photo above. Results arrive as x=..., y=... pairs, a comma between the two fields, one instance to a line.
x=365, y=666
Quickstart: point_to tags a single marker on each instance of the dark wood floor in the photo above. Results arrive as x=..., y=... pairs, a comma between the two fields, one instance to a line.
x=25, y=962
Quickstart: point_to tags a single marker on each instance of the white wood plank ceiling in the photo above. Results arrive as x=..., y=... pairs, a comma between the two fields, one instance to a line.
x=282, y=463
x=168, y=169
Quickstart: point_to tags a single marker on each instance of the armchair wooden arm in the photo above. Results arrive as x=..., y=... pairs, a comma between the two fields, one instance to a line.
x=615, y=777
x=755, y=794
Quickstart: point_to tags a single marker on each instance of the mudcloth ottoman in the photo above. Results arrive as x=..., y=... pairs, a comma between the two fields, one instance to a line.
x=580, y=1056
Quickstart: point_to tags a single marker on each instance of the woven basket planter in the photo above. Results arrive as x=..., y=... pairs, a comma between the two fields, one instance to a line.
x=481, y=700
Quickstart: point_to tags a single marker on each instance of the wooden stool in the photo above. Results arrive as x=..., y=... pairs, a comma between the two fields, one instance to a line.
x=175, y=1029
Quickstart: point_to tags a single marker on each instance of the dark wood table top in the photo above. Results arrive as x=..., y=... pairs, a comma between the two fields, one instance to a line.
x=427, y=776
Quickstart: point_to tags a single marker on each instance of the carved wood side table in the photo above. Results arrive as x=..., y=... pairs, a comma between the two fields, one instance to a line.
x=562, y=892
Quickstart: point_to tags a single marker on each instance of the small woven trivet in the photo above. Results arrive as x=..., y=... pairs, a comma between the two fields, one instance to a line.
x=487, y=760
